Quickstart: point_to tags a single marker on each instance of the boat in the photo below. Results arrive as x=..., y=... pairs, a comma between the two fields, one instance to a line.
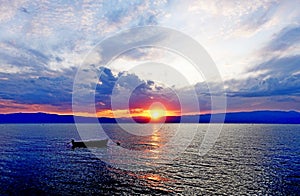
x=89, y=143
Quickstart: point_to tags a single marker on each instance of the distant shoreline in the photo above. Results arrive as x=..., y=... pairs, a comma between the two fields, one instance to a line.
x=51, y=123
x=254, y=117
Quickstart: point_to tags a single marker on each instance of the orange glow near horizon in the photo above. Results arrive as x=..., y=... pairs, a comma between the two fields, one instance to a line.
x=9, y=106
x=150, y=113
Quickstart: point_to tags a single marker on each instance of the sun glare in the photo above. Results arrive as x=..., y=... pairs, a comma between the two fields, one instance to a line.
x=156, y=111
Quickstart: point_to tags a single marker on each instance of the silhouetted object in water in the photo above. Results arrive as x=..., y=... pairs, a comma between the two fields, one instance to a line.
x=89, y=143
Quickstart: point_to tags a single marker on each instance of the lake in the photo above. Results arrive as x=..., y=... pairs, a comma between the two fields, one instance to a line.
x=246, y=159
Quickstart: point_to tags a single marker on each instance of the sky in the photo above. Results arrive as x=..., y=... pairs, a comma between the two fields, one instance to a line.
x=255, y=46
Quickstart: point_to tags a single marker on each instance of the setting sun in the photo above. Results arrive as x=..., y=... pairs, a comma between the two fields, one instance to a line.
x=157, y=113
x=157, y=110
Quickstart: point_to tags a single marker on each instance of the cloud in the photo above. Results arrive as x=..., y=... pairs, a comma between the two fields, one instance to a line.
x=263, y=103
x=141, y=93
x=287, y=37
x=276, y=70
x=42, y=43
x=49, y=90
x=9, y=9
x=51, y=27
x=279, y=76
x=270, y=87
x=254, y=20
x=281, y=67
x=234, y=18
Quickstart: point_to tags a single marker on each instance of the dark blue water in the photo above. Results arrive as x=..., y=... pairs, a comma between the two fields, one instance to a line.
x=247, y=159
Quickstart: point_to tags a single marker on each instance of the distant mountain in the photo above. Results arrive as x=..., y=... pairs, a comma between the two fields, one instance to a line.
x=48, y=118
x=269, y=117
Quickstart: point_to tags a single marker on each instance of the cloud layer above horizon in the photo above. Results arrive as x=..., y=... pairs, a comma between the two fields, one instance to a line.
x=255, y=45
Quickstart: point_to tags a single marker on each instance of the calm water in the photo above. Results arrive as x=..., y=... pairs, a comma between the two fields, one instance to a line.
x=247, y=159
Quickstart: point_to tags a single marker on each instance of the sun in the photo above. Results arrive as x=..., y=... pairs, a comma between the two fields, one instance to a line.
x=156, y=111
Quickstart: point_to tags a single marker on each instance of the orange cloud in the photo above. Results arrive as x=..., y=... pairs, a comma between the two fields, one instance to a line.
x=9, y=106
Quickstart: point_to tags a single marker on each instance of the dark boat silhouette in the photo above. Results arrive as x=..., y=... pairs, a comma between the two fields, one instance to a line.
x=89, y=143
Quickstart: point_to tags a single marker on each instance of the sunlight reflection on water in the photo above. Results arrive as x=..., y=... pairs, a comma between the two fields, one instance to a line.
x=247, y=159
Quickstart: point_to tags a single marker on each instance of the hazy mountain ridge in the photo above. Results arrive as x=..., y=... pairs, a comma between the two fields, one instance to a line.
x=271, y=117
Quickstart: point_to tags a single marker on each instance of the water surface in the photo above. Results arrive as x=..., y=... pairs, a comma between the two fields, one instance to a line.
x=247, y=159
